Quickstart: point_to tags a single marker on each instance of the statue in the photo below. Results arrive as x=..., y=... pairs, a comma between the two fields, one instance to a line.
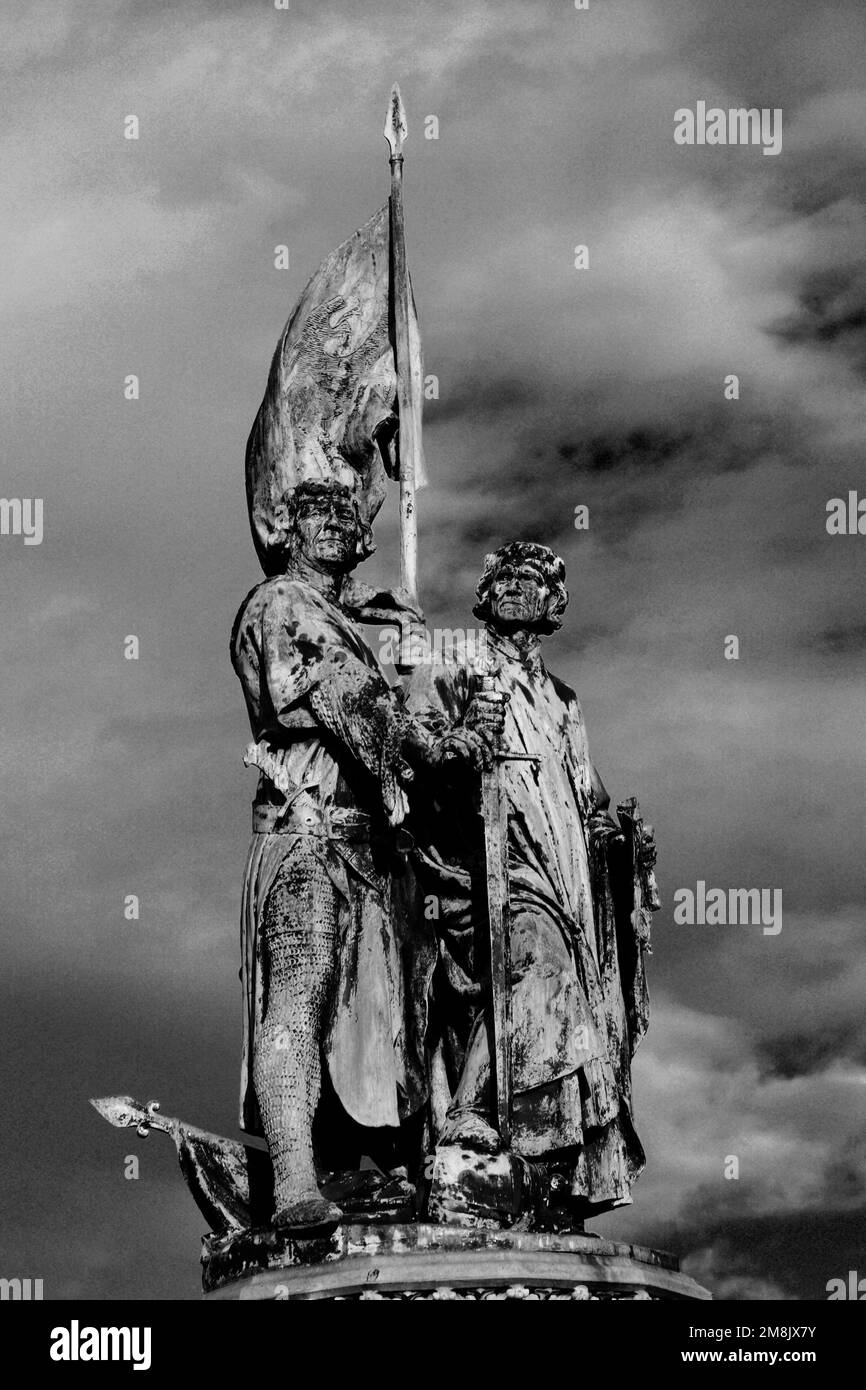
x=577, y=1006
x=443, y=925
x=332, y=971
x=328, y=743
x=331, y=975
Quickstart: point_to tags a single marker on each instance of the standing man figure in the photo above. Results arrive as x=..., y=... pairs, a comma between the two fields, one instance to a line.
x=327, y=979
x=577, y=994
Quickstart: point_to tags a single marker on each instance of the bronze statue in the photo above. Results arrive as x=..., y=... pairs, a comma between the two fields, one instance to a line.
x=443, y=925
x=332, y=972
x=577, y=1002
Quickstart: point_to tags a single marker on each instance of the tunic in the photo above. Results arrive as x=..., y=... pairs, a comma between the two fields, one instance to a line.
x=327, y=732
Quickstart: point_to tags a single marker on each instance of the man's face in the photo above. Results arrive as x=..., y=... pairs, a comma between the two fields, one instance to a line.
x=518, y=596
x=328, y=531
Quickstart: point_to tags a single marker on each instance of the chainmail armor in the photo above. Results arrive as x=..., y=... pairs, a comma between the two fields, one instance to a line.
x=299, y=949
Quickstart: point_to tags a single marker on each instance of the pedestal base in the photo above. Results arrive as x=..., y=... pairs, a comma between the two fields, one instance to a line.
x=437, y=1262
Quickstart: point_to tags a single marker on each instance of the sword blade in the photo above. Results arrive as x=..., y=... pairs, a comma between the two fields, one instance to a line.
x=495, y=813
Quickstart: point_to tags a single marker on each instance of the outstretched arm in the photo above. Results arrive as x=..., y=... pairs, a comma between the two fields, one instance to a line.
x=461, y=727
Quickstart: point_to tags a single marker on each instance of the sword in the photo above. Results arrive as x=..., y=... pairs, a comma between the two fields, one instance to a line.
x=494, y=810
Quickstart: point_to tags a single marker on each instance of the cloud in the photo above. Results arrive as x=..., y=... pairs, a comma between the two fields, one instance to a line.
x=790, y=1215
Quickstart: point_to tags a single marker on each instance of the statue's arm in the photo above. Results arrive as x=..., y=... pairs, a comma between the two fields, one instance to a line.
x=395, y=610
x=291, y=671
x=315, y=681
x=307, y=667
x=444, y=739
x=601, y=824
x=599, y=795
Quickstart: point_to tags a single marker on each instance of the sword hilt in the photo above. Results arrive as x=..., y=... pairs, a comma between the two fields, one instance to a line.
x=488, y=687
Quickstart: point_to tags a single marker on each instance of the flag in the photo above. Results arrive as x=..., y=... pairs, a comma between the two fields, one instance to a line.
x=329, y=410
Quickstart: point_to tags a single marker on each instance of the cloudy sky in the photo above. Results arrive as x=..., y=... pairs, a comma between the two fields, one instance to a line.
x=558, y=387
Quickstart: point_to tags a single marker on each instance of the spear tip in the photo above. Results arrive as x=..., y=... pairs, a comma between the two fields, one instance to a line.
x=121, y=1111
x=396, y=129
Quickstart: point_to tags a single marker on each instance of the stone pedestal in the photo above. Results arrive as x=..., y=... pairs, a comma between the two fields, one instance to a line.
x=396, y=1261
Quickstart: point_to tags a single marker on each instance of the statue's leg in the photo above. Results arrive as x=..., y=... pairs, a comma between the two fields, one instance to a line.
x=468, y=1121
x=299, y=937
x=548, y=1043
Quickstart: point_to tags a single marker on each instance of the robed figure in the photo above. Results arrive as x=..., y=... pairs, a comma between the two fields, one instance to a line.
x=578, y=999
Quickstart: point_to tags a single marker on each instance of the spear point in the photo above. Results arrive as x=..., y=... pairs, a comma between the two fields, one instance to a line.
x=396, y=129
x=125, y=1113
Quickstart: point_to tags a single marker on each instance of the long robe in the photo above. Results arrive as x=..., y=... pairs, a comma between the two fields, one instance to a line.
x=570, y=1042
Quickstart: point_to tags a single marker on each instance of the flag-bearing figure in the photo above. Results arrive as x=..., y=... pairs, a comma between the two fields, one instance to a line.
x=336, y=975
x=579, y=888
x=335, y=998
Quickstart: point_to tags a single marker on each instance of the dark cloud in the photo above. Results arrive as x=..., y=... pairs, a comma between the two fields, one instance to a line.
x=849, y=640
x=777, y=1257
x=831, y=313
x=846, y=1172
x=799, y=1054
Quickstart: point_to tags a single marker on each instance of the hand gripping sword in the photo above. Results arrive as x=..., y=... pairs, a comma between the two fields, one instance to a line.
x=494, y=810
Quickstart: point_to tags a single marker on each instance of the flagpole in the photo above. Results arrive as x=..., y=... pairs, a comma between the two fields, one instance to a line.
x=407, y=384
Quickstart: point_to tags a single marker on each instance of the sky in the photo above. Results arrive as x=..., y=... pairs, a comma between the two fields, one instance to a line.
x=558, y=387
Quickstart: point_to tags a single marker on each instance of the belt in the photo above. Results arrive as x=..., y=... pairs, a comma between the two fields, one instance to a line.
x=333, y=823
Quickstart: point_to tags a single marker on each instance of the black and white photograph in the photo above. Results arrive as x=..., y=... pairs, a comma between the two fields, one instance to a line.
x=433, y=529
